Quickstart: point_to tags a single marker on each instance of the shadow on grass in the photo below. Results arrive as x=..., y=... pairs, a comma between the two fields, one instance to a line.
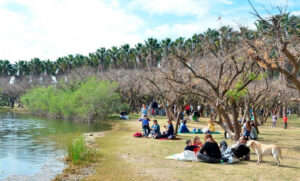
x=287, y=166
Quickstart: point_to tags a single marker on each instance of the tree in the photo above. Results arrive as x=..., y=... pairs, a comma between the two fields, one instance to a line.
x=276, y=46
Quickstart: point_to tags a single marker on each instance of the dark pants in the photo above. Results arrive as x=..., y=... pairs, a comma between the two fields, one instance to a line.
x=285, y=125
x=146, y=129
x=165, y=136
x=207, y=159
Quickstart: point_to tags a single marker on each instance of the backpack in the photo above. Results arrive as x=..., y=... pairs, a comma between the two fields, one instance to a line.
x=137, y=135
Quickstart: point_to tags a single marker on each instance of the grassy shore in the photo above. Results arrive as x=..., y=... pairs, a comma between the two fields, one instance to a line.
x=124, y=157
x=20, y=110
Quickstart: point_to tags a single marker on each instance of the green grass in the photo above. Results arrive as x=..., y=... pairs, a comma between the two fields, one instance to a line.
x=124, y=157
x=79, y=152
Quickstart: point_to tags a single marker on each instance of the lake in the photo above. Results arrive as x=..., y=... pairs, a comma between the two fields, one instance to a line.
x=33, y=148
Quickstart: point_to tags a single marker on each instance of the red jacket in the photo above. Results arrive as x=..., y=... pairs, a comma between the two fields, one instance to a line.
x=285, y=119
x=198, y=148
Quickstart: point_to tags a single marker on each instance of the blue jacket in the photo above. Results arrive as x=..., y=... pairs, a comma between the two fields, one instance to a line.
x=144, y=121
x=183, y=128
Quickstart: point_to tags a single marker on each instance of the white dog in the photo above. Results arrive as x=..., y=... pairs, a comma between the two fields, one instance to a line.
x=261, y=150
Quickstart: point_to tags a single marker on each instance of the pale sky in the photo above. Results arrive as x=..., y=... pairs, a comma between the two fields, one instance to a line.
x=48, y=29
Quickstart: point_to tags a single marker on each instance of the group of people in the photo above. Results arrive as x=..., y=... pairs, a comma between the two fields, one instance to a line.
x=209, y=129
x=274, y=121
x=249, y=131
x=212, y=152
x=154, y=131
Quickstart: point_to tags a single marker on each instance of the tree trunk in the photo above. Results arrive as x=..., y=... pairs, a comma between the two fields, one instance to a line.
x=179, y=110
x=12, y=102
x=255, y=119
x=280, y=115
x=284, y=110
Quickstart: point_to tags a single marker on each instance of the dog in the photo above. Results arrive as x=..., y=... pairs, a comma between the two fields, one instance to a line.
x=262, y=149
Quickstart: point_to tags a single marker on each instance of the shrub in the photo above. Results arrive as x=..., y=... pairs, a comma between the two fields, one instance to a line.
x=90, y=101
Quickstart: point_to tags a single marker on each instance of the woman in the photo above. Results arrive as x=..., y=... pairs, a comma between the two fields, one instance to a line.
x=210, y=152
x=247, y=129
x=155, y=129
x=253, y=134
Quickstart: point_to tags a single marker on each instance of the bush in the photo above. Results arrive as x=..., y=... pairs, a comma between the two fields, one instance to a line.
x=91, y=100
x=79, y=152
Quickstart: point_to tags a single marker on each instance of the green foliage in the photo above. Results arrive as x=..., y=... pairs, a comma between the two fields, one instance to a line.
x=237, y=92
x=79, y=152
x=91, y=100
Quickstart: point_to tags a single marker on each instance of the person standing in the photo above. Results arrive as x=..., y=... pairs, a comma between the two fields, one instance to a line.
x=285, y=119
x=154, y=108
x=274, y=120
x=145, y=125
x=144, y=111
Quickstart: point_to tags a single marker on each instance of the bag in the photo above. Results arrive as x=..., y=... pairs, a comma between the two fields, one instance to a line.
x=138, y=135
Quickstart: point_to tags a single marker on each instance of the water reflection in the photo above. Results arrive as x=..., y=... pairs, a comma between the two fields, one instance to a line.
x=29, y=146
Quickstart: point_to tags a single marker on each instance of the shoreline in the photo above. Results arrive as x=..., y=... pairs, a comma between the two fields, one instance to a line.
x=77, y=172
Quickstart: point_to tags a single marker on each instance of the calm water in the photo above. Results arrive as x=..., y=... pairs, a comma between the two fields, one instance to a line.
x=33, y=148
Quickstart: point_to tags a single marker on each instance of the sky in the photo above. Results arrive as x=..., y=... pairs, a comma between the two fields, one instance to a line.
x=49, y=29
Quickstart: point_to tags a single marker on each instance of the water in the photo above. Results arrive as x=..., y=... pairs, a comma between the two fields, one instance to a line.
x=32, y=148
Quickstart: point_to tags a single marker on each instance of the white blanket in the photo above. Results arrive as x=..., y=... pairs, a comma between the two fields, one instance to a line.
x=184, y=156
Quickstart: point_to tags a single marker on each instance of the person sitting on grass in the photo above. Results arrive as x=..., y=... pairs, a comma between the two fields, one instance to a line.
x=190, y=146
x=123, y=115
x=145, y=125
x=198, y=142
x=183, y=128
x=210, y=152
x=253, y=134
x=169, y=133
x=247, y=129
x=155, y=129
x=211, y=126
x=240, y=149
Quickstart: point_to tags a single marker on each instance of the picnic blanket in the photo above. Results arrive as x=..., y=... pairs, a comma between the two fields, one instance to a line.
x=199, y=133
x=184, y=156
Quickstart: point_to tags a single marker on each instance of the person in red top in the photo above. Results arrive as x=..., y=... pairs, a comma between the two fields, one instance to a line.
x=285, y=119
x=187, y=109
x=198, y=142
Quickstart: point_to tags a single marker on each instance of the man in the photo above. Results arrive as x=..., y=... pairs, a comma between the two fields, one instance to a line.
x=238, y=150
x=169, y=133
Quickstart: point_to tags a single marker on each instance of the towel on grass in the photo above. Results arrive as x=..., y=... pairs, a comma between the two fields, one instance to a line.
x=184, y=156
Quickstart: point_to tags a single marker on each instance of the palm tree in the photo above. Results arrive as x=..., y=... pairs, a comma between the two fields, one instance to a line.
x=152, y=48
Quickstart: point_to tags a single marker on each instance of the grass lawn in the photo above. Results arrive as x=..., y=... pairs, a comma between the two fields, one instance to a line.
x=124, y=157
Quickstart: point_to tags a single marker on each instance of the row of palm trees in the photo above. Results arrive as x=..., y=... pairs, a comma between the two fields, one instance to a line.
x=142, y=55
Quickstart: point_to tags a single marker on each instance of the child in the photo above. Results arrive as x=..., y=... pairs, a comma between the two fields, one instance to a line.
x=197, y=142
x=190, y=146
x=211, y=126
x=183, y=128
x=155, y=129
x=145, y=125
x=285, y=119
